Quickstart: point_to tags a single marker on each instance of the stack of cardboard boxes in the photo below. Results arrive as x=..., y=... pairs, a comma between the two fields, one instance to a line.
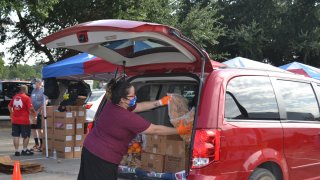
x=164, y=154
x=65, y=131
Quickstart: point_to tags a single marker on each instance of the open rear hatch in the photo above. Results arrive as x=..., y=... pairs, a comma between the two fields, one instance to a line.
x=140, y=46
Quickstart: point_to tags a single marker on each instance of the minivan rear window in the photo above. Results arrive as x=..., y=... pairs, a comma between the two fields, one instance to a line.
x=133, y=48
x=300, y=100
x=95, y=96
x=251, y=97
x=152, y=91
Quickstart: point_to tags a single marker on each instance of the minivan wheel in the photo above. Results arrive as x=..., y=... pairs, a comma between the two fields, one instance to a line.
x=262, y=174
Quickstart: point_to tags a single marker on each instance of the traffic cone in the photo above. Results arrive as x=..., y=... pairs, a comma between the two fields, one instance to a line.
x=16, y=175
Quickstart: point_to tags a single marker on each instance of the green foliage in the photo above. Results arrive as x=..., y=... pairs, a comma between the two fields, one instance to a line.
x=2, y=67
x=249, y=40
x=204, y=31
x=22, y=72
x=284, y=29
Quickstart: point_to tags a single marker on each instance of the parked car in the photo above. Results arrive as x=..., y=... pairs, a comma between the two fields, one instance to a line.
x=92, y=103
x=7, y=90
x=250, y=124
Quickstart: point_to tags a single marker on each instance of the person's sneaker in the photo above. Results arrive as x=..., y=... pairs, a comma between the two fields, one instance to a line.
x=37, y=150
x=35, y=147
x=17, y=153
x=26, y=153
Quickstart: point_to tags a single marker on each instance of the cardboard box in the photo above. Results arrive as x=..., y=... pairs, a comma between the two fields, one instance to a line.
x=64, y=115
x=50, y=152
x=80, y=101
x=81, y=115
x=63, y=141
x=174, y=164
x=78, y=141
x=79, y=128
x=175, y=148
x=50, y=142
x=152, y=162
x=64, y=152
x=50, y=146
x=50, y=131
x=50, y=111
x=50, y=115
x=77, y=152
x=157, y=144
x=64, y=123
x=71, y=108
x=50, y=121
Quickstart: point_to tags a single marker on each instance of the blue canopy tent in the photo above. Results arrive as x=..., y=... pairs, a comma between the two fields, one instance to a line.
x=303, y=69
x=240, y=62
x=82, y=66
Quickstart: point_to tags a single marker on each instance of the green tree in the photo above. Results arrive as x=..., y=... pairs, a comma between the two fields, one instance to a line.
x=2, y=67
x=282, y=29
x=249, y=40
x=200, y=20
x=28, y=28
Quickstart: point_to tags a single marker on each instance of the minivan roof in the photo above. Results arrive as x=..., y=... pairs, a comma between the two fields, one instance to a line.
x=248, y=71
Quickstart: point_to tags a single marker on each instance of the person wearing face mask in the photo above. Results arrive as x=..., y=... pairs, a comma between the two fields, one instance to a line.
x=115, y=127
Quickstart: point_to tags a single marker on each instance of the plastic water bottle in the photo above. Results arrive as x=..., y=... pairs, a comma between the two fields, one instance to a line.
x=54, y=154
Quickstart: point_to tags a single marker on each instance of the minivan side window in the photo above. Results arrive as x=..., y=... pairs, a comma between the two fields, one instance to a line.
x=251, y=97
x=299, y=100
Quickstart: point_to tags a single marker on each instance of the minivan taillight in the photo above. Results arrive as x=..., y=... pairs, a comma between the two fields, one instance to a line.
x=206, y=148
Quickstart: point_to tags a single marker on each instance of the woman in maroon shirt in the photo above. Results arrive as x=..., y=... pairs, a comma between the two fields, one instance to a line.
x=116, y=126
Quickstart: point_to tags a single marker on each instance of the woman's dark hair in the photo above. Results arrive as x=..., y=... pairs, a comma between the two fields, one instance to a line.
x=119, y=89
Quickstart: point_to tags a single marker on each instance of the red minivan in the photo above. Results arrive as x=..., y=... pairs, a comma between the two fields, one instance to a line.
x=249, y=123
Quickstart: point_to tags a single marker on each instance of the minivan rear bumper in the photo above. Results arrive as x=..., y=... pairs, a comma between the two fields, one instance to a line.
x=231, y=175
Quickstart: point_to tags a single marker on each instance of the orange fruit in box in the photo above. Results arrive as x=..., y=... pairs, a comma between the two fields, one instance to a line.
x=138, y=150
x=136, y=145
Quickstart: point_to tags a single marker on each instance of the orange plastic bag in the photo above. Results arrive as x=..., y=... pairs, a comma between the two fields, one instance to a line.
x=179, y=111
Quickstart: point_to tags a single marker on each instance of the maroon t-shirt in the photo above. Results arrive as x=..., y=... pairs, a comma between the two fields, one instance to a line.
x=114, y=130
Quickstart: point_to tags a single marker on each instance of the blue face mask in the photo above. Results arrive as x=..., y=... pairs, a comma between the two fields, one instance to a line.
x=34, y=86
x=133, y=101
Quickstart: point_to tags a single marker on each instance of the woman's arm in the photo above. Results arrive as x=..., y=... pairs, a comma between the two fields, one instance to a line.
x=145, y=106
x=160, y=130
